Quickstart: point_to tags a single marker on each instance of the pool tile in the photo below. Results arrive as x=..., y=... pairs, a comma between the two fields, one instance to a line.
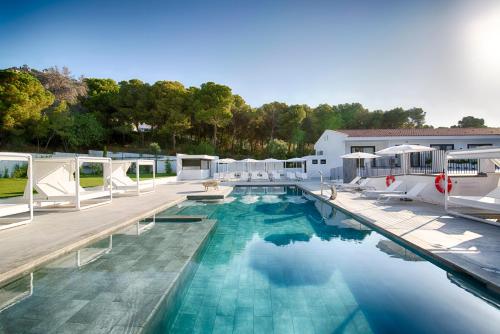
x=223, y=324
x=263, y=325
x=244, y=320
x=227, y=302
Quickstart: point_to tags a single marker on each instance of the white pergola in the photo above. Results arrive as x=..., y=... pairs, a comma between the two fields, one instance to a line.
x=484, y=205
x=57, y=182
x=16, y=206
x=120, y=181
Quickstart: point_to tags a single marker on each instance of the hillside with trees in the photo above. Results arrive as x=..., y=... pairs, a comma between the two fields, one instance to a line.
x=47, y=110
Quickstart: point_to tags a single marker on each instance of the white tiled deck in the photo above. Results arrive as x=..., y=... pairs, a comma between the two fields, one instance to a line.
x=53, y=234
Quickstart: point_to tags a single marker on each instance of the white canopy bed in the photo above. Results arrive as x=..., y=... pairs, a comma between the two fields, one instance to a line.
x=18, y=205
x=57, y=182
x=122, y=183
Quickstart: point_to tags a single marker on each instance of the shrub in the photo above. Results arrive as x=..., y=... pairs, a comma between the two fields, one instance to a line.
x=20, y=171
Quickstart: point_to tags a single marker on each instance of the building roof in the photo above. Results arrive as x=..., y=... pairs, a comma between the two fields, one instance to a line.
x=422, y=132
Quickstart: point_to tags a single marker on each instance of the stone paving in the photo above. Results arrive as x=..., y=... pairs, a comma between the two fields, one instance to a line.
x=461, y=243
x=116, y=293
x=53, y=234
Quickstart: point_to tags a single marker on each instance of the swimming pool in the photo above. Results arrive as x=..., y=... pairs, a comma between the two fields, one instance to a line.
x=281, y=262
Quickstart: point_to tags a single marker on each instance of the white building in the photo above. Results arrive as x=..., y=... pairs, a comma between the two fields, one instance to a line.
x=195, y=167
x=332, y=144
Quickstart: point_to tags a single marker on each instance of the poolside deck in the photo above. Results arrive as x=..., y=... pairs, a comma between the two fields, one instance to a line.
x=53, y=234
x=463, y=244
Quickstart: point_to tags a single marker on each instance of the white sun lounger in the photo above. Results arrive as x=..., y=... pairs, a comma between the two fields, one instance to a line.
x=354, y=181
x=56, y=181
x=291, y=176
x=389, y=190
x=259, y=176
x=244, y=176
x=275, y=176
x=16, y=206
x=361, y=185
x=123, y=184
x=301, y=176
x=412, y=194
x=489, y=202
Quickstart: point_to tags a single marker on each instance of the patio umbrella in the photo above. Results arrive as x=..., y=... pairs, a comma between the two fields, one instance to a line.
x=359, y=156
x=224, y=161
x=271, y=160
x=404, y=149
x=248, y=161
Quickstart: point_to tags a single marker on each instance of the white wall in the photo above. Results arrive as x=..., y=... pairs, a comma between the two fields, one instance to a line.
x=462, y=185
x=458, y=142
x=332, y=144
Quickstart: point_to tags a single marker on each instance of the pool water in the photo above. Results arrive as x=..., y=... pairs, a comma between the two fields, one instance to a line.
x=281, y=262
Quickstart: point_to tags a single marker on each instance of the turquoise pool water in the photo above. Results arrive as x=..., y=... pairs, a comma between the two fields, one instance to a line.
x=279, y=262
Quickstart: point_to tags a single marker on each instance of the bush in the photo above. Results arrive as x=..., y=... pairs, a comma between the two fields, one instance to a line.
x=168, y=167
x=277, y=149
x=20, y=171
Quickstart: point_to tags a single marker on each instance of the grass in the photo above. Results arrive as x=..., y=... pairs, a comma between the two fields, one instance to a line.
x=15, y=187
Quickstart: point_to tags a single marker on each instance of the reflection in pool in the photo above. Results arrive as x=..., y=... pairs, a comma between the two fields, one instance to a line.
x=296, y=265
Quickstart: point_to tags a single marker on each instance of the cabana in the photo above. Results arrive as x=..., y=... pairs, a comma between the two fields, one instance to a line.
x=195, y=167
x=17, y=206
x=485, y=207
x=123, y=184
x=57, y=182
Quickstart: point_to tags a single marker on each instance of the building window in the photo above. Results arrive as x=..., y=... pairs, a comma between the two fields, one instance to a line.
x=315, y=161
x=195, y=164
x=365, y=149
x=323, y=161
x=319, y=153
x=477, y=145
x=443, y=147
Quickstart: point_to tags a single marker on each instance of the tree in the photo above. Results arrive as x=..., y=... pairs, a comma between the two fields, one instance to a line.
x=271, y=113
x=290, y=122
x=213, y=106
x=470, y=122
x=155, y=149
x=416, y=117
x=100, y=101
x=22, y=99
x=85, y=131
x=170, y=108
x=61, y=84
x=133, y=104
x=277, y=148
x=240, y=126
x=354, y=115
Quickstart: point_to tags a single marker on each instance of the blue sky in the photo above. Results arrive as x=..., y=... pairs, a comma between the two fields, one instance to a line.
x=441, y=55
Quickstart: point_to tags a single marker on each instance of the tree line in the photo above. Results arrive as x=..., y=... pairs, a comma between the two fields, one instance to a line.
x=50, y=109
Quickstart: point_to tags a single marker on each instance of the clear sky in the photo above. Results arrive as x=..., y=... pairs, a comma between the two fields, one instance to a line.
x=441, y=55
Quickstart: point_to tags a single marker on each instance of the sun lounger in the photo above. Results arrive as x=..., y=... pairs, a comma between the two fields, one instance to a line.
x=412, y=194
x=259, y=176
x=56, y=182
x=301, y=176
x=489, y=202
x=15, y=206
x=122, y=183
x=291, y=176
x=275, y=176
x=244, y=176
x=362, y=185
x=353, y=181
x=389, y=190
